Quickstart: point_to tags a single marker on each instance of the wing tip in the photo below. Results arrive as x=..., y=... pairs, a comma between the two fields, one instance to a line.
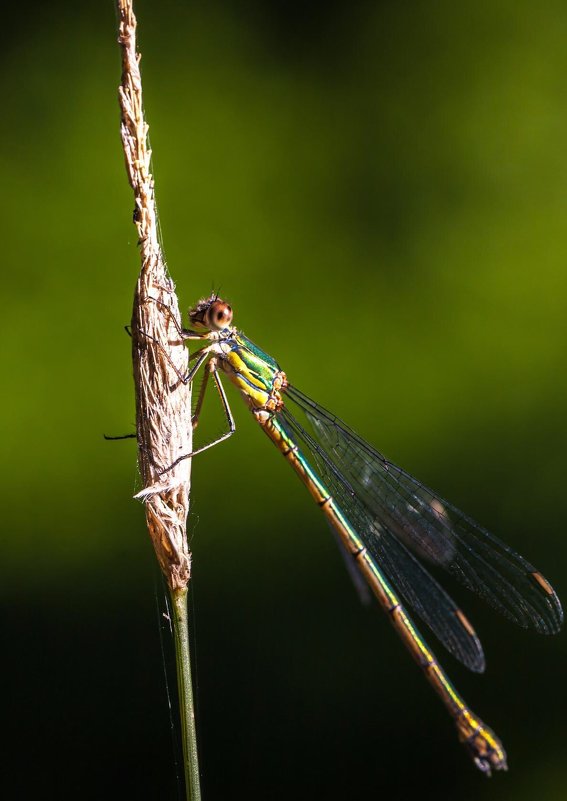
x=476, y=663
x=553, y=623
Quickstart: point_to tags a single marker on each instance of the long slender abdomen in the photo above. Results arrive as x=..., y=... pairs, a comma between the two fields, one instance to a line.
x=483, y=745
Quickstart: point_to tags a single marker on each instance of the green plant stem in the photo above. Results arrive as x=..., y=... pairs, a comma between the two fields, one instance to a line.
x=185, y=691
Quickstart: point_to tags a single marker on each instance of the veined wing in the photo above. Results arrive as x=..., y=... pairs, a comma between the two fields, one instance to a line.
x=407, y=513
x=407, y=576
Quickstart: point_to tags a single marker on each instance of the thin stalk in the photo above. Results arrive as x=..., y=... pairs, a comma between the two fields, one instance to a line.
x=185, y=692
x=163, y=403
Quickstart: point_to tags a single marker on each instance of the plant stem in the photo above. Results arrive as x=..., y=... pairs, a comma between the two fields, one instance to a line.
x=185, y=691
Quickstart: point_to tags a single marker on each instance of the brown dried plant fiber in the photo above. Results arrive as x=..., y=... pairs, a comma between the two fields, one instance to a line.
x=163, y=402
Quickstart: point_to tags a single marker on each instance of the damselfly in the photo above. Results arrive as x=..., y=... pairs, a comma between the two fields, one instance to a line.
x=387, y=522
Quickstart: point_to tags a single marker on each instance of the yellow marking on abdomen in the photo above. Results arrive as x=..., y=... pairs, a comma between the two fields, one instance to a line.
x=485, y=748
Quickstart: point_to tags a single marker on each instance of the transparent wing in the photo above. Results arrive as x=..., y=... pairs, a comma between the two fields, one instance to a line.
x=399, y=518
x=408, y=577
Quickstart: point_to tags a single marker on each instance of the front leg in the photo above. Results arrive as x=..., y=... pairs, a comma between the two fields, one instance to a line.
x=212, y=368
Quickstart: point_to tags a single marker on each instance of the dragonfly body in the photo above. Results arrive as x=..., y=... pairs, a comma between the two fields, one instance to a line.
x=254, y=373
x=386, y=521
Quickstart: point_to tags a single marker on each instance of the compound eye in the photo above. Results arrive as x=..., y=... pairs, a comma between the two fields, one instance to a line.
x=219, y=315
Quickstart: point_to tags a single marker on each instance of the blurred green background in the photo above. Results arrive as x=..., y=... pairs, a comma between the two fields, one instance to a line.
x=380, y=190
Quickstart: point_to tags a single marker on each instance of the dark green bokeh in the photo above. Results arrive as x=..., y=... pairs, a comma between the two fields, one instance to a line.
x=380, y=191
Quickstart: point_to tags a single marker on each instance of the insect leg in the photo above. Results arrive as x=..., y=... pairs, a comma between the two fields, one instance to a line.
x=212, y=366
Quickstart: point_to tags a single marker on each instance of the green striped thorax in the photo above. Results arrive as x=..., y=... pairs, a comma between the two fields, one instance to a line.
x=256, y=374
